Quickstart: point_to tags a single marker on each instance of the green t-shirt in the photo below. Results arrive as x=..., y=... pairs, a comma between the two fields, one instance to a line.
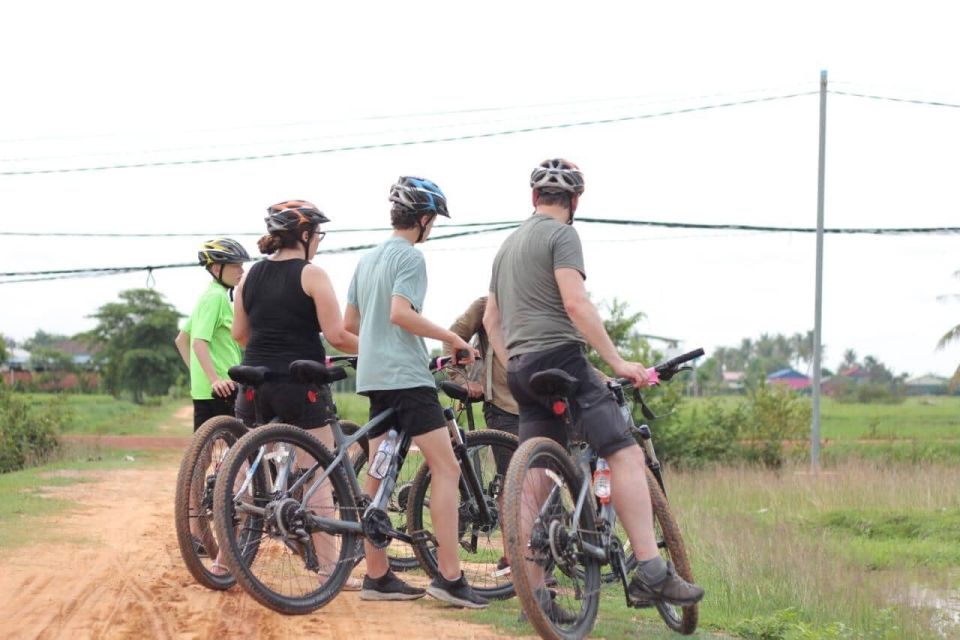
x=211, y=322
x=390, y=357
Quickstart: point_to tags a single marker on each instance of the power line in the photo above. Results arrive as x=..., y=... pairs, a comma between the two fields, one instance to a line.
x=930, y=103
x=771, y=229
x=408, y=143
x=60, y=274
x=72, y=234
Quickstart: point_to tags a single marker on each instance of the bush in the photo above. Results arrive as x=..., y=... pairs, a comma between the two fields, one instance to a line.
x=751, y=430
x=28, y=435
x=870, y=393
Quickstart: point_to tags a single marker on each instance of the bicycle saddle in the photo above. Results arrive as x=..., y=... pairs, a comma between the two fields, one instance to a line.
x=310, y=371
x=454, y=391
x=250, y=376
x=553, y=382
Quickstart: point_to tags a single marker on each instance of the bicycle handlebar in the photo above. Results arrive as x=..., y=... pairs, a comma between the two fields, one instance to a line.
x=439, y=363
x=666, y=369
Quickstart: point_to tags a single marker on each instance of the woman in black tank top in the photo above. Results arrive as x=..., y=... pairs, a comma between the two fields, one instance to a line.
x=282, y=304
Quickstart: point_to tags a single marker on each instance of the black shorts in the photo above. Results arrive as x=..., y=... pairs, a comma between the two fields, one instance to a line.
x=596, y=415
x=501, y=420
x=302, y=405
x=416, y=411
x=203, y=410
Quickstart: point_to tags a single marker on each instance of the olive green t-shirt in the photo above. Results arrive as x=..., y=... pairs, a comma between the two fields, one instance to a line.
x=531, y=308
x=211, y=321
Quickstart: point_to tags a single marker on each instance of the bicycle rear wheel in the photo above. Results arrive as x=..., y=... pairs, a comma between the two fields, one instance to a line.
x=193, y=506
x=481, y=544
x=680, y=619
x=541, y=491
x=297, y=569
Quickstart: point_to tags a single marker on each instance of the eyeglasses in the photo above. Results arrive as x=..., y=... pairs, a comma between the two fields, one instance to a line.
x=320, y=235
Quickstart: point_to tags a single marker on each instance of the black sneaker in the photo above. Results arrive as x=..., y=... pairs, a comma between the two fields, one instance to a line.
x=457, y=593
x=388, y=587
x=672, y=589
x=503, y=567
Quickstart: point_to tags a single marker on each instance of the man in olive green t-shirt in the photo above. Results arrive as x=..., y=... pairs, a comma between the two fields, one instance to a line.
x=207, y=331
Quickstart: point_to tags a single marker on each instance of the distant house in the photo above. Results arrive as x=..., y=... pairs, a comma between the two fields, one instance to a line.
x=789, y=377
x=928, y=385
x=733, y=380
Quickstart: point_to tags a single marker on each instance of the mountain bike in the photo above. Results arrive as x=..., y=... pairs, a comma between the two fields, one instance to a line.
x=573, y=532
x=193, y=502
x=312, y=514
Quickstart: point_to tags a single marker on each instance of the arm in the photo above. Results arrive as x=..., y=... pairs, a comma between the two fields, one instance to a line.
x=222, y=388
x=183, y=347
x=241, y=323
x=587, y=320
x=466, y=326
x=494, y=327
x=351, y=319
x=403, y=315
x=317, y=285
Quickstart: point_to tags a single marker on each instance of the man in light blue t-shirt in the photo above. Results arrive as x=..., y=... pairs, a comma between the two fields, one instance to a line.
x=384, y=307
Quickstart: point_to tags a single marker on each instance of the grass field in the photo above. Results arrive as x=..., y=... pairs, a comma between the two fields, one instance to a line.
x=104, y=414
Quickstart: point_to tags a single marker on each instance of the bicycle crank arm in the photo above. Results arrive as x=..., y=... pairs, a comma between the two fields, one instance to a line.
x=319, y=524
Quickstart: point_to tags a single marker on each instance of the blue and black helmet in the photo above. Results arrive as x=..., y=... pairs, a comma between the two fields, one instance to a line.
x=419, y=196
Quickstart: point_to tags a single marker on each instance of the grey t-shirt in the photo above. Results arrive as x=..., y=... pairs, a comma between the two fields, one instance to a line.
x=390, y=357
x=526, y=288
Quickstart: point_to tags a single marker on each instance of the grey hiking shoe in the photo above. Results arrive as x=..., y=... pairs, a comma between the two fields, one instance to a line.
x=457, y=593
x=672, y=589
x=388, y=587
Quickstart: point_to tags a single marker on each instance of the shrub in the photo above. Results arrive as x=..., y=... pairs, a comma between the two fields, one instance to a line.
x=28, y=435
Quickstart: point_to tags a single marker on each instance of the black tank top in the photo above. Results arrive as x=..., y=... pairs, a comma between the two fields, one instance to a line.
x=283, y=319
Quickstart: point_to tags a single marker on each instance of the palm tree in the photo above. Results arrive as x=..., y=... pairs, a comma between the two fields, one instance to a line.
x=849, y=359
x=953, y=335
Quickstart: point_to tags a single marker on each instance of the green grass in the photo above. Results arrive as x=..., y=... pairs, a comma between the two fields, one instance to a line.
x=104, y=414
x=23, y=499
x=789, y=555
x=920, y=418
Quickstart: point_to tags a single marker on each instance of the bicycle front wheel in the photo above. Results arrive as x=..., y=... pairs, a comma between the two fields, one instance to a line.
x=193, y=506
x=670, y=541
x=556, y=579
x=298, y=565
x=481, y=544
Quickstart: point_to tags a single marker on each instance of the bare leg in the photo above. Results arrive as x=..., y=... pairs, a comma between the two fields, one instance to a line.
x=444, y=497
x=631, y=499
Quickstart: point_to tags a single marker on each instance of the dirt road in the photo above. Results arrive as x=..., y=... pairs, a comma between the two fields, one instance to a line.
x=119, y=575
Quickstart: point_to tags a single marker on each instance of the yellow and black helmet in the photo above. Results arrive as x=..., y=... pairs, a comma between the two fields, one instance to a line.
x=222, y=251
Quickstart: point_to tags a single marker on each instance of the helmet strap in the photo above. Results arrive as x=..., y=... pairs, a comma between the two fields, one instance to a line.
x=219, y=279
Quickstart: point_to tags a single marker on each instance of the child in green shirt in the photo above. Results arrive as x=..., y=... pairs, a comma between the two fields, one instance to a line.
x=205, y=343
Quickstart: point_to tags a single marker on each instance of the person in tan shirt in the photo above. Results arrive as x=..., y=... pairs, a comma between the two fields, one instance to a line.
x=487, y=378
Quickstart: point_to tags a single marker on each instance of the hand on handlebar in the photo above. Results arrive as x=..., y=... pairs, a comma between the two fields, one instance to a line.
x=460, y=345
x=636, y=372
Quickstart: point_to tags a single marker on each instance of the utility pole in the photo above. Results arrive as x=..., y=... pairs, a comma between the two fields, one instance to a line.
x=818, y=306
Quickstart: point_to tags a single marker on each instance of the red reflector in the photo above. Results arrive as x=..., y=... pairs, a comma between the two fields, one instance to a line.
x=248, y=394
x=559, y=407
x=312, y=396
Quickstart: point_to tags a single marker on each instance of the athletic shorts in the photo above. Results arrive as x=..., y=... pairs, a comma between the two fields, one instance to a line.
x=203, y=410
x=596, y=415
x=303, y=405
x=501, y=420
x=416, y=411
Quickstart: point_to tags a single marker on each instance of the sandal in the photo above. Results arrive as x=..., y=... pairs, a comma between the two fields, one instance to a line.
x=218, y=569
x=350, y=584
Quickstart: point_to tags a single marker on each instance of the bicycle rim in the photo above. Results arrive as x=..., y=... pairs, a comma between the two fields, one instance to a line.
x=193, y=508
x=558, y=585
x=276, y=558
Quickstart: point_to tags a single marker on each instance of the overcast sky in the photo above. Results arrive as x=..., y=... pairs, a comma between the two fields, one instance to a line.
x=94, y=84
